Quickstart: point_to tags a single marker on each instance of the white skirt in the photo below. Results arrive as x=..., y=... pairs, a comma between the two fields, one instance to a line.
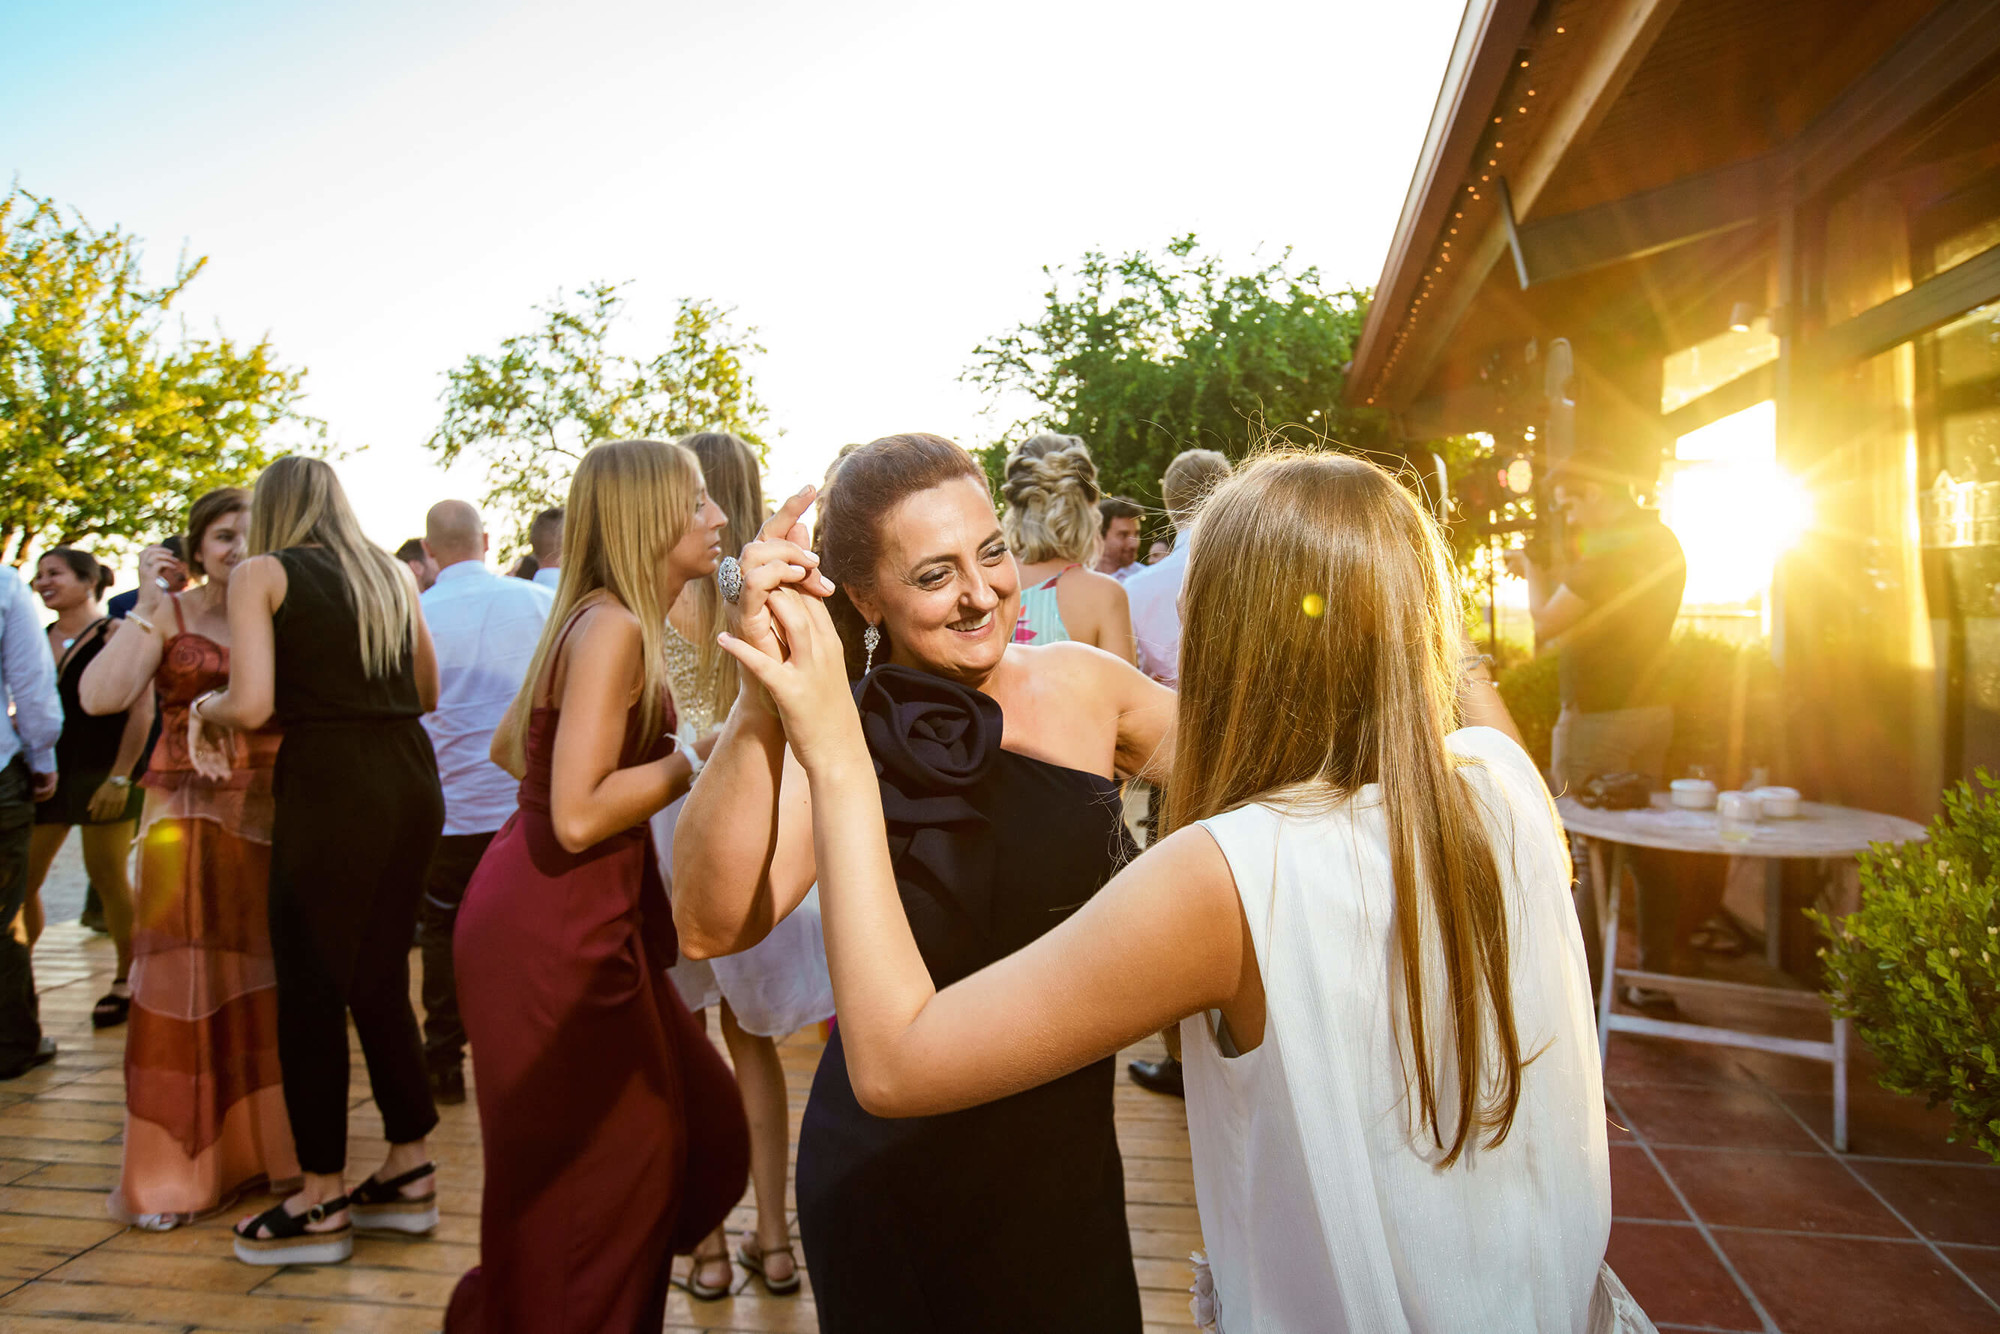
x=777, y=986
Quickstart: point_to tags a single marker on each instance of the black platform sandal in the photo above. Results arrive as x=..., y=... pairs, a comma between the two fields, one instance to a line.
x=754, y=1262
x=289, y=1243
x=381, y=1206
x=112, y=1009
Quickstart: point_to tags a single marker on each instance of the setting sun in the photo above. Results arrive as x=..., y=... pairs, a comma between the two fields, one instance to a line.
x=1733, y=509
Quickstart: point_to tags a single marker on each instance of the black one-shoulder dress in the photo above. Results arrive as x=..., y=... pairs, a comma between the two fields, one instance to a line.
x=1009, y=1216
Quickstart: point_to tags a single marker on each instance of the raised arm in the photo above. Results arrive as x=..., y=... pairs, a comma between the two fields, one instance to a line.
x=743, y=854
x=124, y=670
x=590, y=796
x=1165, y=939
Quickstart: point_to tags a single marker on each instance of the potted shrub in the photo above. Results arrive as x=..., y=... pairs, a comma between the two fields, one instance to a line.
x=1917, y=966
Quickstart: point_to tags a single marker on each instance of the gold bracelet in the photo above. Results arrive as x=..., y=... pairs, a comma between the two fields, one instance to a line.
x=141, y=620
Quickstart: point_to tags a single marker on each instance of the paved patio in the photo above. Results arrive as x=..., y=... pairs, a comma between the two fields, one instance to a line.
x=1732, y=1212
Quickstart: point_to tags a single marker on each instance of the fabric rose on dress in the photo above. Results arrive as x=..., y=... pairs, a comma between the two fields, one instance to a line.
x=933, y=742
x=1203, y=1305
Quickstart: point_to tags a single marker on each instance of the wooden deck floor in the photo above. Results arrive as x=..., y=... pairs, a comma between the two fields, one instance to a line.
x=67, y=1268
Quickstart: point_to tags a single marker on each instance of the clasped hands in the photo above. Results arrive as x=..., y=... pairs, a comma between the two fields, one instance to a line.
x=783, y=636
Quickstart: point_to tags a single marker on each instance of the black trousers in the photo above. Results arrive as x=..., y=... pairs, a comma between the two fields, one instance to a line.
x=20, y=1013
x=452, y=865
x=358, y=814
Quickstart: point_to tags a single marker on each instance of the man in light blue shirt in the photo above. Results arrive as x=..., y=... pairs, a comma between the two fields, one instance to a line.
x=31, y=722
x=486, y=627
x=545, y=538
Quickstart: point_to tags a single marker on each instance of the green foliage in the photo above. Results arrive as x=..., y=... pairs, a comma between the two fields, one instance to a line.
x=1917, y=967
x=1530, y=690
x=1145, y=356
x=532, y=409
x=109, y=427
x=1724, y=697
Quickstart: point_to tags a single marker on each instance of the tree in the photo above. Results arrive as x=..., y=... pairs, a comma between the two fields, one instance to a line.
x=1145, y=357
x=531, y=410
x=108, y=425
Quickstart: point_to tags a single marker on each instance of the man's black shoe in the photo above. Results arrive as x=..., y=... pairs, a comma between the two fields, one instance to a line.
x=448, y=1085
x=1161, y=1076
x=43, y=1054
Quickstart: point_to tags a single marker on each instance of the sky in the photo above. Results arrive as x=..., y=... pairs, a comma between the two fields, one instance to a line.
x=875, y=186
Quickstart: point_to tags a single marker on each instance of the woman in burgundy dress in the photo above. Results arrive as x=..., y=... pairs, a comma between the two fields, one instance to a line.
x=613, y=1134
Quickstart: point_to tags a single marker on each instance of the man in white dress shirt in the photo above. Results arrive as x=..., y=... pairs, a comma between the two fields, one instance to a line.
x=485, y=627
x=545, y=536
x=1118, y=525
x=27, y=774
x=1154, y=593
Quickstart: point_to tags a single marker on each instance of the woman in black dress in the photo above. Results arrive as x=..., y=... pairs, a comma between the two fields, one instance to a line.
x=95, y=760
x=998, y=765
x=326, y=637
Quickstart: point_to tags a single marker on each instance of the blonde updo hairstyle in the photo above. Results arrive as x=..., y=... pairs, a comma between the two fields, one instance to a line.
x=1052, y=493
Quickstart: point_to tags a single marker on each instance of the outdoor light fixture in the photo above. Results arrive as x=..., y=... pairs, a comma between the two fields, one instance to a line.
x=1741, y=316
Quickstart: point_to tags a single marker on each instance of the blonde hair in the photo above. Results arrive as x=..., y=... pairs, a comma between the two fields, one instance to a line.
x=1319, y=653
x=1188, y=480
x=629, y=503
x=298, y=501
x=729, y=466
x=1051, y=492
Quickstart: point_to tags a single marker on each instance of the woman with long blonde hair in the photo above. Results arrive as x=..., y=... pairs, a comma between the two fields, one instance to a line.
x=325, y=638
x=1361, y=921
x=779, y=985
x=612, y=1132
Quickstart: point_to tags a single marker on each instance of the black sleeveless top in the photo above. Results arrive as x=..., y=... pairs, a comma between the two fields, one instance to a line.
x=319, y=676
x=1008, y=1216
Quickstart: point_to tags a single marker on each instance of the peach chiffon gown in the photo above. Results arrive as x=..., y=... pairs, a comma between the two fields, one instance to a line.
x=205, y=1115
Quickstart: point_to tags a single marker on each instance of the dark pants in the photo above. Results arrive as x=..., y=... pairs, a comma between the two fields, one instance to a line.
x=20, y=1014
x=358, y=813
x=452, y=865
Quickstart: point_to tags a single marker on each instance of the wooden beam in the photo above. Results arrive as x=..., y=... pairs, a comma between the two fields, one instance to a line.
x=1745, y=391
x=1901, y=318
x=1952, y=43
x=1690, y=209
x=1627, y=32
x=1488, y=35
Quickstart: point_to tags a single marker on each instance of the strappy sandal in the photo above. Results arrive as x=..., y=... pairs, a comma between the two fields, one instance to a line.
x=289, y=1243
x=754, y=1262
x=381, y=1206
x=703, y=1292
x=112, y=1009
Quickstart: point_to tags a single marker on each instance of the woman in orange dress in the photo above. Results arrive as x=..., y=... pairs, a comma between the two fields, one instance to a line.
x=205, y=1115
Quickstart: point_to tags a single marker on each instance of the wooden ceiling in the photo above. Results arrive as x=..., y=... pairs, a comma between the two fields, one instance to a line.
x=1715, y=83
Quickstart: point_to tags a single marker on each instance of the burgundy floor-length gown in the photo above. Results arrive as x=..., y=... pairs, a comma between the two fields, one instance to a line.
x=614, y=1136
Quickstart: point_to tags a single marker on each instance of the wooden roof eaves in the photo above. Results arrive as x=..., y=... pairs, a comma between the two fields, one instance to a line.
x=1625, y=33
x=1488, y=35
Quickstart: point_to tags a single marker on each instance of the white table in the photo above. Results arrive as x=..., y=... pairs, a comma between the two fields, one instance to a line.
x=1818, y=833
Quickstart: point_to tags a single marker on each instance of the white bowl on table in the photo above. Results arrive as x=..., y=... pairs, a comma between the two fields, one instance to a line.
x=1692, y=794
x=1778, y=803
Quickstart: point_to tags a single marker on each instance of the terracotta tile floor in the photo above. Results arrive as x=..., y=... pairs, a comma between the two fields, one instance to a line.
x=1732, y=1213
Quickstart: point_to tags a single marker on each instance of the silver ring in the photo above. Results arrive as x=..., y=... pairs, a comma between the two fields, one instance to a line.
x=729, y=578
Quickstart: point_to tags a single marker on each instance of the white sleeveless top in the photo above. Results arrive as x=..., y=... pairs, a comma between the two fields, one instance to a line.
x=1320, y=1201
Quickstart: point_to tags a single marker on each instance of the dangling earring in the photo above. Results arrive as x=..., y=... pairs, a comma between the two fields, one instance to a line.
x=871, y=639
